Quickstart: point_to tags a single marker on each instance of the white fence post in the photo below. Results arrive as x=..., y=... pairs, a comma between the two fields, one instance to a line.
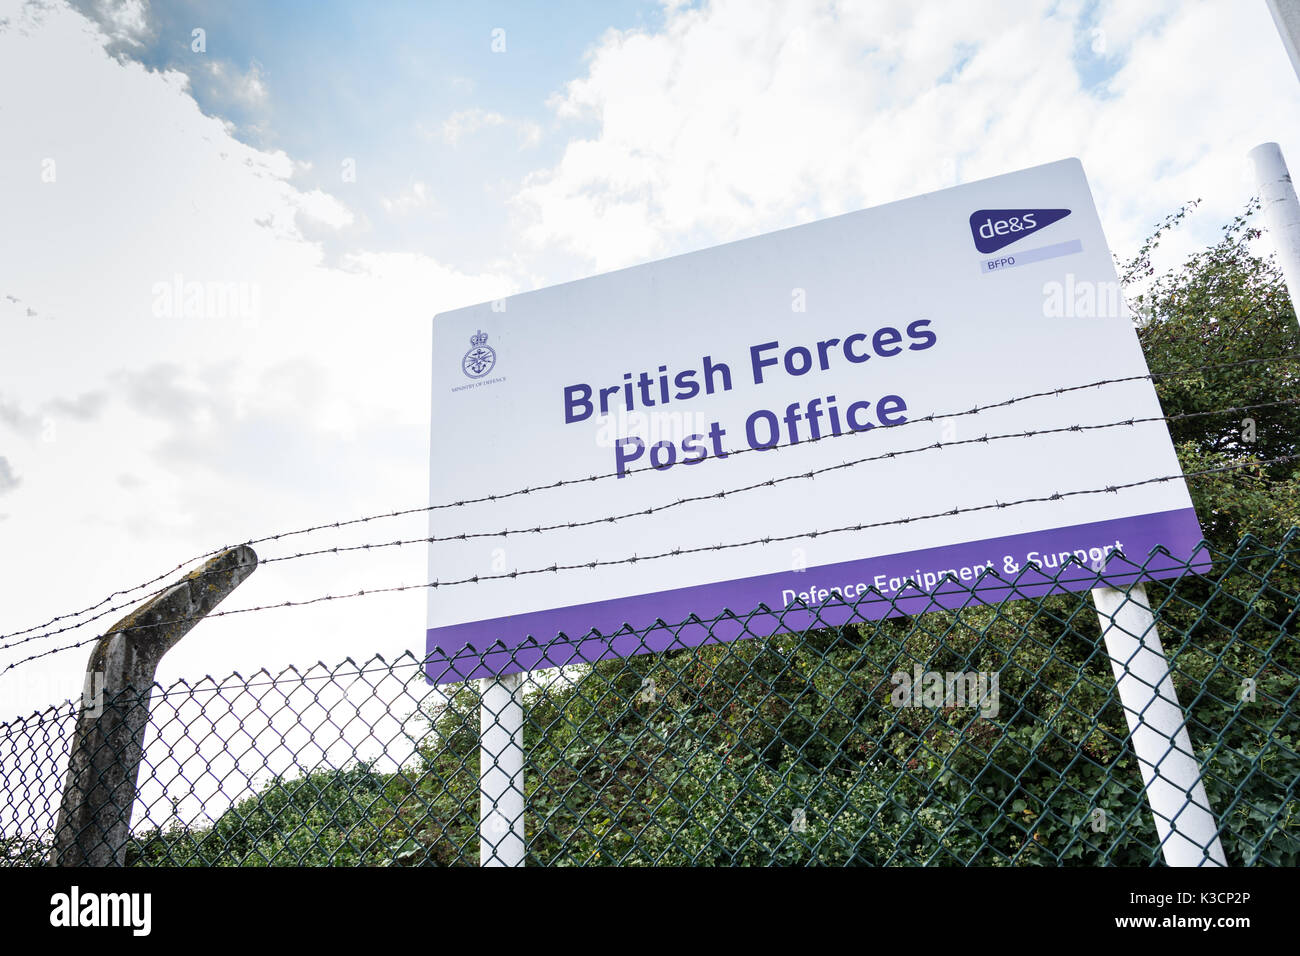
x=1286, y=15
x=1189, y=834
x=1281, y=213
x=501, y=771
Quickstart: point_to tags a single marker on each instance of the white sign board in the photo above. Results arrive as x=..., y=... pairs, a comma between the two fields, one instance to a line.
x=687, y=392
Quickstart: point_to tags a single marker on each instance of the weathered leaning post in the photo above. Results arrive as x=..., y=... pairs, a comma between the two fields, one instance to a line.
x=94, y=822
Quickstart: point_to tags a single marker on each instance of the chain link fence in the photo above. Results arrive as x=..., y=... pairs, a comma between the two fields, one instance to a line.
x=988, y=735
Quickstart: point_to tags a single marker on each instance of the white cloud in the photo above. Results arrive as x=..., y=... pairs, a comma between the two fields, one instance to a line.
x=247, y=88
x=323, y=208
x=413, y=198
x=144, y=435
x=8, y=480
x=734, y=120
x=463, y=123
x=124, y=20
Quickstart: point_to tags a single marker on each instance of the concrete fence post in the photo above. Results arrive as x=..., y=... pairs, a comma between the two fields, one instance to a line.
x=94, y=823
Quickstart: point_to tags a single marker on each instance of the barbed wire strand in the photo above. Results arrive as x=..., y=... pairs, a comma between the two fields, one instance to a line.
x=770, y=482
x=303, y=675
x=292, y=674
x=678, y=552
x=1192, y=370
x=609, y=519
x=936, y=416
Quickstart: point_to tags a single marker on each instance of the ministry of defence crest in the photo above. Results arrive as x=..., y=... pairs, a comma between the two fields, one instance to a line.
x=480, y=358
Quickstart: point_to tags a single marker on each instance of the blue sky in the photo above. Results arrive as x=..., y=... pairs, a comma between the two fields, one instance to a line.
x=134, y=434
x=375, y=83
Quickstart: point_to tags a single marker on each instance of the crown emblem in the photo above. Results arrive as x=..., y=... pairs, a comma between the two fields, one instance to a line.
x=480, y=358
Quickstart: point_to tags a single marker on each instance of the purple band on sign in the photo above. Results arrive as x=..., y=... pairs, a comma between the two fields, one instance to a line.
x=987, y=572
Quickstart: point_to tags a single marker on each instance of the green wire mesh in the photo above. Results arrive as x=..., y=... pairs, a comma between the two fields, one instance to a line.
x=803, y=748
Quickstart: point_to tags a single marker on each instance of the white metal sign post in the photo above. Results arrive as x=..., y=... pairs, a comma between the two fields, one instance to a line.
x=959, y=374
x=1171, y=774
x=501, y=771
